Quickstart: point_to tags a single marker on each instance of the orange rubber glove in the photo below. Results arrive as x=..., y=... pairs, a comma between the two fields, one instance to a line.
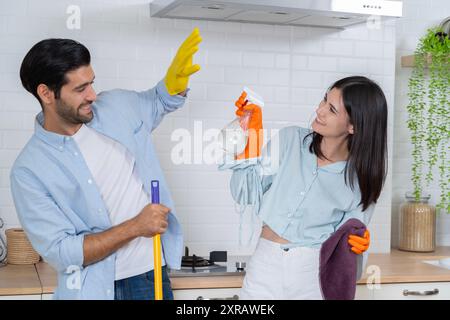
x=359, y=244
x=177, y=76
x=255, y=128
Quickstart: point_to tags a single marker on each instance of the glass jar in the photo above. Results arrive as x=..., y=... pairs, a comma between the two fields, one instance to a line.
x=417, y=224
x=2, y=246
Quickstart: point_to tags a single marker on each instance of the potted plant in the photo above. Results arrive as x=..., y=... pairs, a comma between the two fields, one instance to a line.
x=429, y=125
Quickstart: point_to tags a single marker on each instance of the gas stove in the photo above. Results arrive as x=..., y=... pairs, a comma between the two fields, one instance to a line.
x=218, y=264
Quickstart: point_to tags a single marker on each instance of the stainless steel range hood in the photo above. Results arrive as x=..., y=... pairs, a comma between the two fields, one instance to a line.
x=319, y=13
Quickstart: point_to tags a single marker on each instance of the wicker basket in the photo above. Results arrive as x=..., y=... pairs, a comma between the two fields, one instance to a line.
x=19, y=249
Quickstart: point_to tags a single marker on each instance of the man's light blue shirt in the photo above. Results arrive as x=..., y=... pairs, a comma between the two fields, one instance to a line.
x=58, y=202
x=300, y=201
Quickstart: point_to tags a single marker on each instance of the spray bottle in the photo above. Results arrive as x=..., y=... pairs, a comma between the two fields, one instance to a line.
x=234, y=136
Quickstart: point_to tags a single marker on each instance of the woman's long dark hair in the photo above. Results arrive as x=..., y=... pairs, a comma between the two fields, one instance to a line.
x=367, y=108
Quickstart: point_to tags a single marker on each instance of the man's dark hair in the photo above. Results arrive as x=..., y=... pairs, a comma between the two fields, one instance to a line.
x=48, y=61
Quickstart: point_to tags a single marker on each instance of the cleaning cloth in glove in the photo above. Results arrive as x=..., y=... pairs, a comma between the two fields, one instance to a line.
x=338, y=264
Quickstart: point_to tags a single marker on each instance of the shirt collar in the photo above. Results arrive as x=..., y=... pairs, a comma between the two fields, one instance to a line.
x=335, y=167
x=53, y=139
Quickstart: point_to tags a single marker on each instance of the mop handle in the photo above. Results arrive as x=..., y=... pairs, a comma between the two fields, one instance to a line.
x=157, y=248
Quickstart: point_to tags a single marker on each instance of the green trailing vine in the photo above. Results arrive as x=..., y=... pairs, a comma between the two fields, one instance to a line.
x=429, y=113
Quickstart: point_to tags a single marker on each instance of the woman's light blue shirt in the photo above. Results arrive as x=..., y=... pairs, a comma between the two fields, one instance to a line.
x=300, y=201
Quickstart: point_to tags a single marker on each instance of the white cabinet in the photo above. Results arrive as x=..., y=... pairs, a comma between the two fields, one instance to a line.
x=22, y=297
x=413, y=291
x=387, y=291
x=363, y=292
x=206, y=294
x=404, y=291
x=179, y=294
x=433, y=291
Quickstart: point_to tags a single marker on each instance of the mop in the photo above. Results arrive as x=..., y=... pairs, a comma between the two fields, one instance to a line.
x=157, y=248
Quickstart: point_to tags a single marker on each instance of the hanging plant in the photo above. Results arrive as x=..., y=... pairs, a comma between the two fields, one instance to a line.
x=428, y=113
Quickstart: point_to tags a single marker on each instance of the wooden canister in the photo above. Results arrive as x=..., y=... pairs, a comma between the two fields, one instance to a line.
x=417, y=225
x=19, y=249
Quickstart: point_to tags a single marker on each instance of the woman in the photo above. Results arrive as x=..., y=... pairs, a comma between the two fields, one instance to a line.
x=308, y=183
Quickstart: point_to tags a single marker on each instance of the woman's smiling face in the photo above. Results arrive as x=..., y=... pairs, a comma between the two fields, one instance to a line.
x=332, y=119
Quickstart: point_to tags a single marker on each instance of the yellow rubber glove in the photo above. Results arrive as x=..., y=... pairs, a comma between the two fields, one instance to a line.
x=359, y=244
x=177, y=76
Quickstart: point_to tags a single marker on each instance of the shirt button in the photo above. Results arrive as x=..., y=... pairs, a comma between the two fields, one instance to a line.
x=314, y=172
x=108, y=292
x=89, y=181
x=302, y=193
x=99, y=210
x=60, y=147
x=75, y=153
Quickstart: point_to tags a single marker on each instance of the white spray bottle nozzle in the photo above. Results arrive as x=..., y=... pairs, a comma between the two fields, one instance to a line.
x=253, y=97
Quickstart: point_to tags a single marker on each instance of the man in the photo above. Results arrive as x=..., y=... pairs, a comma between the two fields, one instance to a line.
x=81, y=185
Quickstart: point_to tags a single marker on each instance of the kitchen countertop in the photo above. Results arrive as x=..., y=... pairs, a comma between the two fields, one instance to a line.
x=403, y=266
x=395, y=267
x=48, y=279
x=47, y=276
x=19, y=279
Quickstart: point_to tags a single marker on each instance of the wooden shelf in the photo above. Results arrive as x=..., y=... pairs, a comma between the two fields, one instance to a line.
x=408, y=61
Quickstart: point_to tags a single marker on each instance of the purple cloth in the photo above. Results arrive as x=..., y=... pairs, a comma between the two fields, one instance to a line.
x=338, y=264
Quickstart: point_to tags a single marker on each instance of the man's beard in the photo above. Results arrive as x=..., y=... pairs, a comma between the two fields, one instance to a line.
x=72, y=115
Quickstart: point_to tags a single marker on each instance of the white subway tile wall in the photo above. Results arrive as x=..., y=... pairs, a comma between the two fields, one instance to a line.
x=291, y=67
x=418, y=16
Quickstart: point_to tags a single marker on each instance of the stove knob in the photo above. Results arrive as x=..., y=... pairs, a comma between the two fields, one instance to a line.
x=240, y=266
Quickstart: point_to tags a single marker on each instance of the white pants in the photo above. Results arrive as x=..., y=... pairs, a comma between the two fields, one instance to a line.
x=273, y=273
